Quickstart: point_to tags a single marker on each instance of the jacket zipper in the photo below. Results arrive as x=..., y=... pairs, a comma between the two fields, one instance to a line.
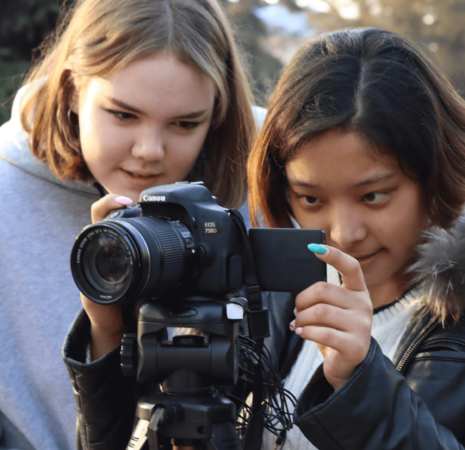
x=435, y=341
x=415, y=345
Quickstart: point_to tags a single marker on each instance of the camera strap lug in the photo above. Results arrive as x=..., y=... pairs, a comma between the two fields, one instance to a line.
x=257, y=316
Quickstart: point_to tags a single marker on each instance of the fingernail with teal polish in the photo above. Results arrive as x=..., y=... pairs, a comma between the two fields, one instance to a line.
x=317, y=248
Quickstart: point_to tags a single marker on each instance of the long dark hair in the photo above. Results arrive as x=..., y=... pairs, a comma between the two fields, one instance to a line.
x=379, y=85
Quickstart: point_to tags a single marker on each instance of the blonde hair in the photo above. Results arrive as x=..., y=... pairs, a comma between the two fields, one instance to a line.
x=98, y=38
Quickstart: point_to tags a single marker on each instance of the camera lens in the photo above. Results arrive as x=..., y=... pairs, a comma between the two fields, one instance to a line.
x=129, y=259
x=106, y=264
x=112, y=264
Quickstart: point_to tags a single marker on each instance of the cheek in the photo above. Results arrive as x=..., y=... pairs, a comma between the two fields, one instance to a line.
x=402, y=228
x=182, y=153
x=96, y=149
x=90, y=129
x=177, y=166
x=102, y=143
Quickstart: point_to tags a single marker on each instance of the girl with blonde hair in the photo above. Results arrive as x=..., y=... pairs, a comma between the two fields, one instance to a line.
x=129, y=94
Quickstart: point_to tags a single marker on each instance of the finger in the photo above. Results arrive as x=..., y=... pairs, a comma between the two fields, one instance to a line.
x=348, y=267
x=101, y=208
x=329, y=337
x=328, y=316
x=323, y=292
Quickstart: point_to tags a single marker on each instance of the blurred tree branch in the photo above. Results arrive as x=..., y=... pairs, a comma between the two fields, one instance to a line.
x=23, y=26
x=435, y=25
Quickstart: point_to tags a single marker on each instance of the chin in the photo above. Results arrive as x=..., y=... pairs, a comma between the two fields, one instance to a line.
x=372, y=276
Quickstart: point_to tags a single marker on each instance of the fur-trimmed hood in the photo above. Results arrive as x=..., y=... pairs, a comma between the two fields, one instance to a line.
x=441, y=271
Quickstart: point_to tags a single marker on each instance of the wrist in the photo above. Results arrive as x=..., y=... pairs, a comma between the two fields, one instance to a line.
x=103, y=341
x=338, y=382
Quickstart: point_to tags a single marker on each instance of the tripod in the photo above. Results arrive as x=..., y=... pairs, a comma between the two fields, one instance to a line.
x=188, y=413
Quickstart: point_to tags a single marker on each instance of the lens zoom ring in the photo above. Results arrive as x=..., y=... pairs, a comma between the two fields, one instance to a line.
x=172, y=258
x=155, y=259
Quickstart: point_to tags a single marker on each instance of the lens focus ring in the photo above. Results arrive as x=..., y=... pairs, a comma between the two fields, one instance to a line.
x=170, y=252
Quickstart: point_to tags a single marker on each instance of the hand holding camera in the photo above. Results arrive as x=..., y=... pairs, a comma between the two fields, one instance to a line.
x=107, y=327
x=337, y=318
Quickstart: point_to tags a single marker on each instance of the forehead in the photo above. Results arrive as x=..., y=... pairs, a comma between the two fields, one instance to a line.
x=161, y=83
x=338, y=159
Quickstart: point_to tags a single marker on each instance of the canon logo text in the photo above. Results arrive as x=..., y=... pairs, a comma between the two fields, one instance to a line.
x=154, y=198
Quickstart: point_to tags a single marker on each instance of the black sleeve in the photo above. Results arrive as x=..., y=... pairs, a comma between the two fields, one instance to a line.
x=103, y=395
x=376, y=409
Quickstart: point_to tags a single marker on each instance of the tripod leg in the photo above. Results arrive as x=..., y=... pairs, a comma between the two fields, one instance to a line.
x=152, y=431
x=139, y=435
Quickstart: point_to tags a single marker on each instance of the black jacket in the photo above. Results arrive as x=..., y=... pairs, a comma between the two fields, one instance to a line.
x=415, y=402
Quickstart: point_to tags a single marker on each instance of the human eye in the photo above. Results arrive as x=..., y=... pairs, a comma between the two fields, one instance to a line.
x=121, y=115
x=375, y=197
x=308, y=200
x=187, y=125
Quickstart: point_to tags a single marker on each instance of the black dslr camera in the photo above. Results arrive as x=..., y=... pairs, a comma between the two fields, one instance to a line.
x=179, y=241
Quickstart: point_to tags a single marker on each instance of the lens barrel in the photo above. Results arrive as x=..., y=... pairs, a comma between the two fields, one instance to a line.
x=124, y=260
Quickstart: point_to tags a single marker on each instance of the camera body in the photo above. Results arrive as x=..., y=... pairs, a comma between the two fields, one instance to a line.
x=179, y=242
x=176, y=241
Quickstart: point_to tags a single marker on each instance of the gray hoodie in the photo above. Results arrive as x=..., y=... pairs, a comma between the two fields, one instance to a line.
x=40, y=219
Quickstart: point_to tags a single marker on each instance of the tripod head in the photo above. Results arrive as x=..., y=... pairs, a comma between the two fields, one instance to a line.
x=187, y=346
x=195, y=335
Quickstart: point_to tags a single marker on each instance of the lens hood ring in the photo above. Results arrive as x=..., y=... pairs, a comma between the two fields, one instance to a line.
x=83, y=267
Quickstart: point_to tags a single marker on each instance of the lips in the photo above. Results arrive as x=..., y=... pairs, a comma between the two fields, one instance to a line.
x=140, y=174
x=141, y=180
x=368, y=259
x=368, y=255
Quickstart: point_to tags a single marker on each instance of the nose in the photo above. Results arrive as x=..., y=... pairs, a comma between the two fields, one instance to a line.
x=150, y=144
x=347, y=226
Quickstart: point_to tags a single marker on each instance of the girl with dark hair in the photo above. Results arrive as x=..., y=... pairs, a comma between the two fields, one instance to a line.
x=365, y=139
x=129, y=94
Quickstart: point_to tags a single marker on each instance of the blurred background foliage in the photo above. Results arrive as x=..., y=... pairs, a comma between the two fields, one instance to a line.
x=23, y=26
x=269, y=32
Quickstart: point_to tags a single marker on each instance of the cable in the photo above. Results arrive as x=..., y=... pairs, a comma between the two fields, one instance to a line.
x=278, y=403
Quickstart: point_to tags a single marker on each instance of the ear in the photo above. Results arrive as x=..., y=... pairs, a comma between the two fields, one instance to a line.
x=73, y=102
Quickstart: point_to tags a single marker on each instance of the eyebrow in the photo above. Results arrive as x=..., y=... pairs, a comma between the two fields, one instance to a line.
x=376, y=179
x=192, y=115
x=124, y=105
x=371, y=180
